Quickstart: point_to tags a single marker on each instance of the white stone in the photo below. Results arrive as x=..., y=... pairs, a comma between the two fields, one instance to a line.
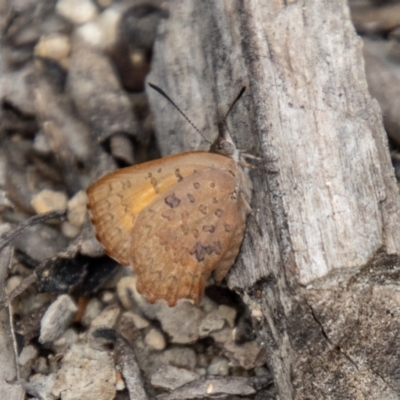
x=77, y=11
x=108, y=23
x=28, y=354
x=55, y=46
x=92, y=310
x=68, y=230
x=12, y=283
x=77, y=209
x=49, y=200
x=92, y=33
x=57, y=318
x=155, y=339
x=106, y=319
x=218, y=366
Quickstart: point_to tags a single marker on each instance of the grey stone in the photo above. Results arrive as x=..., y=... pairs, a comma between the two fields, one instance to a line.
x=86, y=373
x=213, y=321
x=57, y=318
x=247, y=355
x=181, y=322
x=155, y=339
x=40, y=386
x=170, y=378
x=181, y=357
x=218, y=366
x=92, y=310
x=61, y=345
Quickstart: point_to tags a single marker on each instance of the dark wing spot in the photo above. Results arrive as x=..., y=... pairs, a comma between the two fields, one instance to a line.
x=200, y=251
x=196, y=185
x=159, y=170
x=203, y=209
x=215, y=200
x=219, y=213
x=172, y=201
x=178, y=175
x=216, y=248
x=191, y=198
x=212, y=185
x=208, y=228
x=195, y=233
x=228, y=228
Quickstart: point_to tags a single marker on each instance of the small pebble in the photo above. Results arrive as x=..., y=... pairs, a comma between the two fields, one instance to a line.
x=218, y=366
x=107, y=297
x=138, y=320
x=170, y=378
x=201, y=371
x=41, y=366
x=261, y=371
x=181, y=322
x=106, y=319
x=77, y=209
x=28, y=354
x=120, y=383
x=214, y=321
x=92, y=34
x=155, y=339
x=12, y=283
x=182, y=357
x=228, y=313
x=61, y=345
x=108, y=23
x=41, y=144
x=92, y=310
x=77, y=11
x=41, y=385
x=68, y=230
x=57, y=318
x=55, y=46
x=49, y=200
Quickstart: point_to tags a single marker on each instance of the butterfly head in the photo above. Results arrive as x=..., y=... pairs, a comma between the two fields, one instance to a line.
x=224, y=145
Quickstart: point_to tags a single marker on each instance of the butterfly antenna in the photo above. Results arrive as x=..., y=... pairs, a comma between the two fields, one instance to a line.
x=159, y=90
x=223, y=122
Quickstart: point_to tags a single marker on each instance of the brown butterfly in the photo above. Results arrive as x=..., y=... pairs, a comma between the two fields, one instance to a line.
x=175, y=220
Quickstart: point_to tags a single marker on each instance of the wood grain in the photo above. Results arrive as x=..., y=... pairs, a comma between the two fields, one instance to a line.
x=324, y=198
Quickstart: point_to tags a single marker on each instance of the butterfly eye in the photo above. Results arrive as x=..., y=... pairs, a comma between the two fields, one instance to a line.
x=227, y=148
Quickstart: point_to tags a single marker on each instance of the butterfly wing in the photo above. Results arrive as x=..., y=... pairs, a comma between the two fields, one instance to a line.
x=194, y=227
x=118, y=198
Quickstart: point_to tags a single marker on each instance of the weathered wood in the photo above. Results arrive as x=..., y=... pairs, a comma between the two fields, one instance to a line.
x=325, y=266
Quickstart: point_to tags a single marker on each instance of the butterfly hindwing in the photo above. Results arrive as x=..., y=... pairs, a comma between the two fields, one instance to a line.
x=186, y=233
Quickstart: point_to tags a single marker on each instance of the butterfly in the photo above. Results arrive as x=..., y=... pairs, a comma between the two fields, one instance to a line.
x=175, y=220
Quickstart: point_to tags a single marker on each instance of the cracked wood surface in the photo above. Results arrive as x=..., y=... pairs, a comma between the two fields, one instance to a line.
x=321, y=253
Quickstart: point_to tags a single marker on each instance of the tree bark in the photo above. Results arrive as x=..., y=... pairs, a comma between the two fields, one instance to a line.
x=320, y=258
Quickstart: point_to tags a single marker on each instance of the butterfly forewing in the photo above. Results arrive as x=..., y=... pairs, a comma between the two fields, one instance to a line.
x=118, y=198
x=186, y=232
